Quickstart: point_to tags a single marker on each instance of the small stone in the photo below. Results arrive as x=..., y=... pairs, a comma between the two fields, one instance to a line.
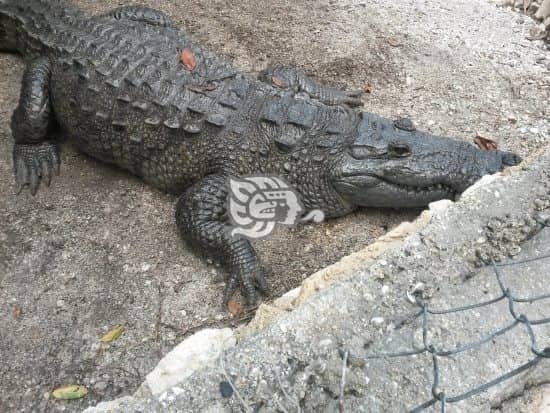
x=526, y=229
x=319, y=366
x=177, y=390
x=60, y=303
x=325, y=343
x=145, y=267
x=101, y=386
x=225, y=389
x=377, y=320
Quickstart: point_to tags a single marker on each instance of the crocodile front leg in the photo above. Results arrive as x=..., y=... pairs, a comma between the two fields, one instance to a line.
x=202, y=221
x=299, y=81
x=34, y=158
x=140, y=14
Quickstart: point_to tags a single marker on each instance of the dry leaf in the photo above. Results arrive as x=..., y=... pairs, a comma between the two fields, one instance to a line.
x=393, y=42
x=485, y=144
x=17, y=311
x=234, y=308
x=278, y=82
x=70, y=392
x=113, y=334
x=188, y=59
x=367, y=88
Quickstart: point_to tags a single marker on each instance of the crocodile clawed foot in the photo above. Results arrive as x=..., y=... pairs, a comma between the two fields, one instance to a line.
x=249, y=283
x=34, y=163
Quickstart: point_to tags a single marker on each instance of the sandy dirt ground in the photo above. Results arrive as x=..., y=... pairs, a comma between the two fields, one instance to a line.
x=100, y=248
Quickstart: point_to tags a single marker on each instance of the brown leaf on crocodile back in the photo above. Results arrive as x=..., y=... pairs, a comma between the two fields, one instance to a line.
x=485, y=144
x=188, y=59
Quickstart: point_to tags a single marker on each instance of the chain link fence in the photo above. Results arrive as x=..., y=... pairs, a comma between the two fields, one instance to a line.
x=517, y=319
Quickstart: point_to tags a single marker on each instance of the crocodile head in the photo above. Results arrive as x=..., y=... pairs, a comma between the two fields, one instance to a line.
x=390, y=164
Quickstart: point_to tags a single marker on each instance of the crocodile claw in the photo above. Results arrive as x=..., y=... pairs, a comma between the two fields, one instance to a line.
x=250, y=284
x=34, y=163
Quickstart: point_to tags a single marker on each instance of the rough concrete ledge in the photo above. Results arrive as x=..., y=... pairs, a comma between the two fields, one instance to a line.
x=297, y=359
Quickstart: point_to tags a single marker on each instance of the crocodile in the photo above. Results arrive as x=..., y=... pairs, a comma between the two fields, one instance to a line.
x=132, y=89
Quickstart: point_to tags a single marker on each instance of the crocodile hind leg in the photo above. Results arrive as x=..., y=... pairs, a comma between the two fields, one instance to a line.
x=202, y=220
x=34, y=157
x=299, y=81
x=140, y=14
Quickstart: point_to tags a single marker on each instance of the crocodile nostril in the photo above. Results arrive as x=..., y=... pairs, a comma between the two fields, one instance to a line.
x=398, y=150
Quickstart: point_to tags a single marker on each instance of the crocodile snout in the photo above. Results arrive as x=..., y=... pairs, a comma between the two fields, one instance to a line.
x=510, y=159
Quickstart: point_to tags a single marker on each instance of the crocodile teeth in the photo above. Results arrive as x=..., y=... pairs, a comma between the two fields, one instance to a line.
x=431, y=188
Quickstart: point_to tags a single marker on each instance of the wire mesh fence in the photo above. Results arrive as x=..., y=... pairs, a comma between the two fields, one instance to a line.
x=517, y=318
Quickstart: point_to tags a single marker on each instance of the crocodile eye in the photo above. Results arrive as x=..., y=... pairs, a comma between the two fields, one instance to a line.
x=398, y=150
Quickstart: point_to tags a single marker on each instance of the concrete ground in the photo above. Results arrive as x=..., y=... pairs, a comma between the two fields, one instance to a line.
x=99, y=248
